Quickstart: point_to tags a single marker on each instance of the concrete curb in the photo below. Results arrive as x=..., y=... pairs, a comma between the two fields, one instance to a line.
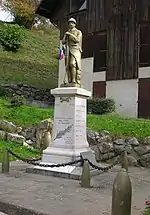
x=12, y=209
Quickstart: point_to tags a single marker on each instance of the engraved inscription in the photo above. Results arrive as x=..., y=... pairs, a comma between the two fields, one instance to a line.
x=80, y=122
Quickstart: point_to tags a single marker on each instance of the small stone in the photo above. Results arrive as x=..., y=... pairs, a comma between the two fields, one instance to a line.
x=7, y=126
x=132, y=161
x=119, y=142
x=26, y=145
x=104, y=133
x=2, y=135
x=15, y=138
x=145, y=160
x=119, y=145
x=133, y=142
x=19, y=130
x=140, y=150
x=97, y=152
x=29, y=133
x=104, y=139
x=128, y=148
x=29, y=142
x=107, y=156
x=105, y=147
x=91, y=138
x=146, y=140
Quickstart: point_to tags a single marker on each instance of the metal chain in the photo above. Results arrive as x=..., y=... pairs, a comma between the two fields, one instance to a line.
x=23, y=159
x=104, y=169
x=33, y=162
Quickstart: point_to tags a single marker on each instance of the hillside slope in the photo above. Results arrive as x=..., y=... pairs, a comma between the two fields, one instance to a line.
x=36, y=62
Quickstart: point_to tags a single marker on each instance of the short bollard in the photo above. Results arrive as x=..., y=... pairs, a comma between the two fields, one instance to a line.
x=124, y=161
x=121, y=194
x=85, y=177
x=5, y=161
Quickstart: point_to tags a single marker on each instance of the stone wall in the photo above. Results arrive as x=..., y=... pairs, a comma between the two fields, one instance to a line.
x=106, y=149
x=31, y=93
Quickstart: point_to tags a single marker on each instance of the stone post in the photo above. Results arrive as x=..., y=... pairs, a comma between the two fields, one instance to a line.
x=5, y=161
x=85, y=177
x=121, y=194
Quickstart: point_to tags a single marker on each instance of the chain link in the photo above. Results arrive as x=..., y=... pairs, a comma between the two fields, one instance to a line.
x=81, y=160
x=33, y=162
x=104, y=168
x=23, y=159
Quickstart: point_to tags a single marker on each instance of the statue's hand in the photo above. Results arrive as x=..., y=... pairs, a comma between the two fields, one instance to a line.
x=68, y=33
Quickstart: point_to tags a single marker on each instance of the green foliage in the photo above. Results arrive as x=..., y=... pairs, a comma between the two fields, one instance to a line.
x=11, y=36
x=35, y=63
x=118, y=126
x=17, y=100
x=146, y=211
x=24, y=115
x=19, y=150
x=101, y=106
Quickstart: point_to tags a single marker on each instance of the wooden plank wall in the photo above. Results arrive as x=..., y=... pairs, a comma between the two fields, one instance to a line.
x=97, y=15
x=111, y=34
x=123, y=42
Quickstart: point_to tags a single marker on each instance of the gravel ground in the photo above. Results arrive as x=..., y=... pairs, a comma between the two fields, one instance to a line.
x=57, y=196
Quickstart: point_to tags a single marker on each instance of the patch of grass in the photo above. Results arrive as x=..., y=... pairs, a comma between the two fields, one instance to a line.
x=24, y=115
x=118, y=126
x=19, y=150
x=35, y=63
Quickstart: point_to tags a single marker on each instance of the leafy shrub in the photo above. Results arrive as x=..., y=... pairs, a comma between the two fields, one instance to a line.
x=17, y=100
x=11, y=36
x=101, y=106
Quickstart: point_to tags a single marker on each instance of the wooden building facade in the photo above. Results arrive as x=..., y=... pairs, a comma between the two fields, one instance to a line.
x=116, y=48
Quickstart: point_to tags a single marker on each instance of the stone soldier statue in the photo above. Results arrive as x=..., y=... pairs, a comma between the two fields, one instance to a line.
x=72, y=43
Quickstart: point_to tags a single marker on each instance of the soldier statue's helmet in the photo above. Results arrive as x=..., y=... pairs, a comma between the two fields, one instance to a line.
x=72, y=20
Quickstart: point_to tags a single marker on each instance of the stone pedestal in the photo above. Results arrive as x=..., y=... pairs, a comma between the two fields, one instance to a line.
x=69, y=131
x=69, y=138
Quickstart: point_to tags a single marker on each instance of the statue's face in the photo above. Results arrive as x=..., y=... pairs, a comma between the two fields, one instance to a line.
x=71, y=25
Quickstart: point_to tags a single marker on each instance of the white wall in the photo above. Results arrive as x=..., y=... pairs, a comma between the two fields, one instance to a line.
x=125, y=94
x=86, y=73
x=99, y=76
x=144, y=72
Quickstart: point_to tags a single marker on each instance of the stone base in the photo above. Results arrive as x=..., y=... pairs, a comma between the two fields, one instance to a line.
x=62, y=155
x=69, y=172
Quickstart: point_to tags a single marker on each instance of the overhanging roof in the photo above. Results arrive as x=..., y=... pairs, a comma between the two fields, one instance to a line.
x=50, y=8
x=46, y=8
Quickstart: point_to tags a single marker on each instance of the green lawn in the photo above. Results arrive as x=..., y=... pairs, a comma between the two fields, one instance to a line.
x=118, y=126
x=36, y=62
x=19, y=150
x=26, y=116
